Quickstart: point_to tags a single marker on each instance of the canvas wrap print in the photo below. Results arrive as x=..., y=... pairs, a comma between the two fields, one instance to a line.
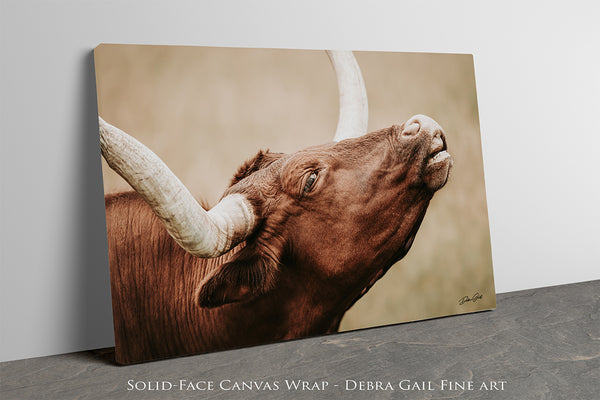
x=258, y=195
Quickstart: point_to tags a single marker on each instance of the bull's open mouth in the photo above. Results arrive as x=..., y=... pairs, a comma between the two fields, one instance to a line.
x=439, y=164
x=438, y=156
x=438, y=150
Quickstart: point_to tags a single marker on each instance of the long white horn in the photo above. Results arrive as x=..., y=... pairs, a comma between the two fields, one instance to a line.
x=201, y=233
x=354, y=107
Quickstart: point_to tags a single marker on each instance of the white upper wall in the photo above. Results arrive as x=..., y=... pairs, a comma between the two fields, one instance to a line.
x=538, y=78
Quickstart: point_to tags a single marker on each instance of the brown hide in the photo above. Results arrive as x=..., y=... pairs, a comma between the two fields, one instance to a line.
x=154, y=284
x=332, y=220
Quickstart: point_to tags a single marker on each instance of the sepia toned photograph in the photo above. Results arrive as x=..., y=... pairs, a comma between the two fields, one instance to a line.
x=260, y=195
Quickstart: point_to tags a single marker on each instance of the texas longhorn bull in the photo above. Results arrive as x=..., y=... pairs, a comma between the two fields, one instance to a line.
x=295, y=240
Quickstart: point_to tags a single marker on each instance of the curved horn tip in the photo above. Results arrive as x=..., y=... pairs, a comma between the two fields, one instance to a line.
x=201, y=233
x=354, y=108
x=101, y=122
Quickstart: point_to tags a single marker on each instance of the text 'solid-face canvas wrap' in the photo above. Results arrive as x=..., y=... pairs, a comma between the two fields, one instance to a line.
x=257, y=195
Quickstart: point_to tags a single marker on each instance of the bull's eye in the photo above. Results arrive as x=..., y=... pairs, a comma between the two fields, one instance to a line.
x=310, y=181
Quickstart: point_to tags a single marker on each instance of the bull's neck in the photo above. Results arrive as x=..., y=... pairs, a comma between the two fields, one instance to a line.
x=310, y=307
x=323, y=302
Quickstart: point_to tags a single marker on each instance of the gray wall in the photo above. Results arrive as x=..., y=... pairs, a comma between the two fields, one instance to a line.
x=538, y=81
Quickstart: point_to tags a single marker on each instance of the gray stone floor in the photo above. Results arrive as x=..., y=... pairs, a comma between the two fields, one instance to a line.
x=538, y=344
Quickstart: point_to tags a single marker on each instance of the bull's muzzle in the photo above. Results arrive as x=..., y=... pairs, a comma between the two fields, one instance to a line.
x=422, y=124
x=439, y=162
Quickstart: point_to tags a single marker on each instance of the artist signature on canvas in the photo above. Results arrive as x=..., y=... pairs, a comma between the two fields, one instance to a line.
x=473, y=298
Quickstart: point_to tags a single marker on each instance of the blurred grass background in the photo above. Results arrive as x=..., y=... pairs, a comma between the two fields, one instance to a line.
x=205, y=110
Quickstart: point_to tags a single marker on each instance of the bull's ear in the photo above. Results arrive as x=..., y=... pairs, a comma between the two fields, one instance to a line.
x=247, y=277
x=261, y=160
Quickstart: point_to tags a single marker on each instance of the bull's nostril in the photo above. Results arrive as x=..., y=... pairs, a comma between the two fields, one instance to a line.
x=411, y=129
